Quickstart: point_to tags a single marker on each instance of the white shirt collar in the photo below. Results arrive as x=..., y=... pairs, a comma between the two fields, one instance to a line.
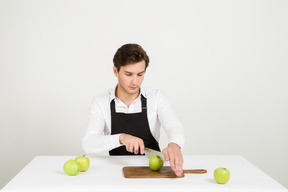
x=113, y=96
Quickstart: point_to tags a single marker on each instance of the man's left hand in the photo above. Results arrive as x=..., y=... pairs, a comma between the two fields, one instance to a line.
x=173, y=154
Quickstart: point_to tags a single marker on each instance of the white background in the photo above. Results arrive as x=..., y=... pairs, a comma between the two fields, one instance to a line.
x=223, y=65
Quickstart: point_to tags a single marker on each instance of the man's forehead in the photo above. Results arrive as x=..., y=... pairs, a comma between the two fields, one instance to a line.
x=134, y=67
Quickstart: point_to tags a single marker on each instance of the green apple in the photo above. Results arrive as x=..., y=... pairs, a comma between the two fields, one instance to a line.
x=155, y=163
x=71, y=167
x=84, y=163
x=221, y=175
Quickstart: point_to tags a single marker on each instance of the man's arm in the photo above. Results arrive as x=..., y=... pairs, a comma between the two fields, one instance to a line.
x=175, y=133
x=94, y=140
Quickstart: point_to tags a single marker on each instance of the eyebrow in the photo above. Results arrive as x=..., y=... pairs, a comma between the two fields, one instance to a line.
x=132, y=73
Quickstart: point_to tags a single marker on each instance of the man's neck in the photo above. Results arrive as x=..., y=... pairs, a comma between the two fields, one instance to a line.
x=125, y=97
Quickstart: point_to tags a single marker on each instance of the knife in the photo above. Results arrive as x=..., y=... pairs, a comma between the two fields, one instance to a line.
x=151, y=152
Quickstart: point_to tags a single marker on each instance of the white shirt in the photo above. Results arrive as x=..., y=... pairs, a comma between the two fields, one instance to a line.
x=98, y=136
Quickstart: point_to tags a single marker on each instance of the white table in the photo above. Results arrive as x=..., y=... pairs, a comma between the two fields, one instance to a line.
x=45, y=173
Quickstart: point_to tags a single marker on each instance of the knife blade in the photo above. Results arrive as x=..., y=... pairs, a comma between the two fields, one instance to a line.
x=151, y=152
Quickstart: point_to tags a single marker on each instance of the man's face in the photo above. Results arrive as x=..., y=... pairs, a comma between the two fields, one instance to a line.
x=130, y=77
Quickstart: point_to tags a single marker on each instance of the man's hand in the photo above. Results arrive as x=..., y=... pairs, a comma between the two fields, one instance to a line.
x=173, y=154
x=132, y=143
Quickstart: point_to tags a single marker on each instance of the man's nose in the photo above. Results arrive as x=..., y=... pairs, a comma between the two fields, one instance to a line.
x=135, y=79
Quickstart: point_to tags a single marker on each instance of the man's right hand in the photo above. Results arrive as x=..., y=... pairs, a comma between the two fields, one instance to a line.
x=132, y=144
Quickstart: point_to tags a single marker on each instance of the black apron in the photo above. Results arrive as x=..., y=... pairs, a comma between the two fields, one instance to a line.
x=135, y=124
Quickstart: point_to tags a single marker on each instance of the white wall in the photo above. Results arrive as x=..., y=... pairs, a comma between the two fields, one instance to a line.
x=223, y=64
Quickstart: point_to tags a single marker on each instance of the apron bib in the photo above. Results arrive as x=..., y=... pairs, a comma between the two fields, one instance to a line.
x=135, y=124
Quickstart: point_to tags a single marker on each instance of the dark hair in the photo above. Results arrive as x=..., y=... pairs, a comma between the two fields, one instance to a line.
x=128, y=54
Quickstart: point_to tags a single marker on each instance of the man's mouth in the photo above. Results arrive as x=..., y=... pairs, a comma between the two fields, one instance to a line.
x=132, y=87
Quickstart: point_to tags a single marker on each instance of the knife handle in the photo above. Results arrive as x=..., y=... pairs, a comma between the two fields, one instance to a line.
x=194, y=171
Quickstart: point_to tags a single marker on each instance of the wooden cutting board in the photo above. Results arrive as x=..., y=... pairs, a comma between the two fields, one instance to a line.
x=164, y=172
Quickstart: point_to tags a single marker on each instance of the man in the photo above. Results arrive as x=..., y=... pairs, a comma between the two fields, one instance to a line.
x=130, y=116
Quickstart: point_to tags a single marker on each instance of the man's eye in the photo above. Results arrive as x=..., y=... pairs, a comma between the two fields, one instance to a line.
x=128, y=74
x=140, y=74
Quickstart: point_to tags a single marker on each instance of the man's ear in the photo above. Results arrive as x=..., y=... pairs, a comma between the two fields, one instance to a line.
x=115, y=71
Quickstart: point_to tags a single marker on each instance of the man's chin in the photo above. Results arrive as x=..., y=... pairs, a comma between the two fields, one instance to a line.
x=133, y=91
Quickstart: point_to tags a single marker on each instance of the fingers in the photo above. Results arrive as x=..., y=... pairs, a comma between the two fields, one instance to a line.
x=131, y=147
x=133, y=144
x=136, y=148
x=173, y=153
x=173, y=163
x=139, y=145
x=176, y=164
x=142, y=147
x=166, y=155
